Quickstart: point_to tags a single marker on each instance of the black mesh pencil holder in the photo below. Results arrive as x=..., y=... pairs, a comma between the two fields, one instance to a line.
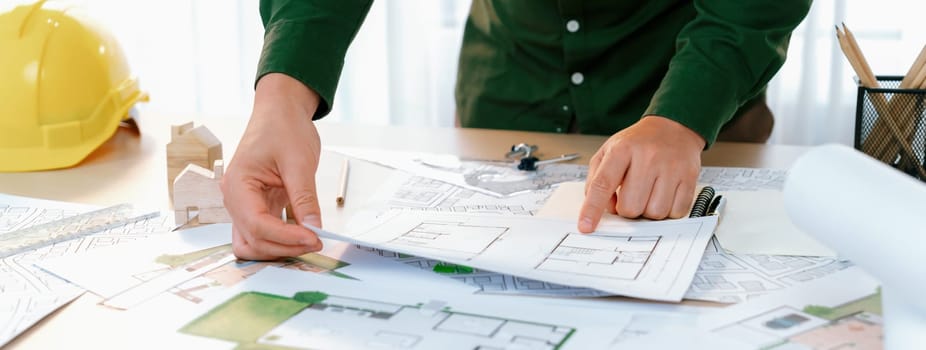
x=890, y=126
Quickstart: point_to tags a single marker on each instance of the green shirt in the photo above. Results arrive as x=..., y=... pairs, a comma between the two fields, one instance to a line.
x=595, y=66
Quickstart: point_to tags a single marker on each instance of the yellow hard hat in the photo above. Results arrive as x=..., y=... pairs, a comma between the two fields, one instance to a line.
x=65, y=86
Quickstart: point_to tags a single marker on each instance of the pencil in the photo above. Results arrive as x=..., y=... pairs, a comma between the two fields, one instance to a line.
x=910, y=80
x=342, y=188
x=878, y=138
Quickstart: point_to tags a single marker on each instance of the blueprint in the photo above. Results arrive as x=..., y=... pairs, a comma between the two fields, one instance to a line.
x=721, y=277
x=498, y=179
x=406, y=191
x=734, y=278
x=840, y=311
x=417, y=193
x=196, y=263
x=652, y=260
x=743, y=179
x=284, y=308
x=489, y=282
x=29, y=293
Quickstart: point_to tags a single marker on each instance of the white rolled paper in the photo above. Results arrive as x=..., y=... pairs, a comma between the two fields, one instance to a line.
x=873, y=215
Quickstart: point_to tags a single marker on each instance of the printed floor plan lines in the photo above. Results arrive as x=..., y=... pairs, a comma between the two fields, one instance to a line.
x=646, y=259
x=409, y=192
x=489, y=282
x=331, y=322
x=743, y=179
x=499, y=179
x=28, y=293
x=452, y=237
x=278, y=308
x=840, y=311
x=616, y=257
x=733, y=278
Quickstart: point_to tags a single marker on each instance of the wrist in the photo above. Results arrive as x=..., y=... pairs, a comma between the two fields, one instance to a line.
x=278, y=94
x=674, y=128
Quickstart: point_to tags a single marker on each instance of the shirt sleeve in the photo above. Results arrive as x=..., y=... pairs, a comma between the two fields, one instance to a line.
x=725, y=56
x=307, y=40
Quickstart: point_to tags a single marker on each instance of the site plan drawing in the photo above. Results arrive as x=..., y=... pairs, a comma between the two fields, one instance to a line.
x=839, y=311
x=29, y=293
x=411, y=192
x=283, y=308
x=654, y=260
x=743, y=179
x=489, y=282
x=196, y=263
x=721, y=277
x=498, y=179
x=734, y=278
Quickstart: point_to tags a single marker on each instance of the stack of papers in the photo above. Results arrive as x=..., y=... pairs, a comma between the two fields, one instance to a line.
x=470, y=254
x=29, y=293
x=650, y=260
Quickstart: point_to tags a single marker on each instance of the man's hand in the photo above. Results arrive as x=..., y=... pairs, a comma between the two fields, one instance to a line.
x=649, y=169
x=274, y=166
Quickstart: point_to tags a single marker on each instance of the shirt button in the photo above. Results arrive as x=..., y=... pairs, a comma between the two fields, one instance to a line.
x=565, y=108
x=577, y=78
x=572, y=26
x=558, y=129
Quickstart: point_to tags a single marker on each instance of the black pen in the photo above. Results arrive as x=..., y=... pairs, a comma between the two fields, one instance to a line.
x=712, y=210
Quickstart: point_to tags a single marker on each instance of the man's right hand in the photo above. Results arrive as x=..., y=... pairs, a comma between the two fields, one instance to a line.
x=274, y=166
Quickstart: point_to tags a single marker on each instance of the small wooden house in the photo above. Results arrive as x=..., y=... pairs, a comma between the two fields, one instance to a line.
x=189, y=145
x=196, y=190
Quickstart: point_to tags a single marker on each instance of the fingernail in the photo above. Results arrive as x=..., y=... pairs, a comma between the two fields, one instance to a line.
x=310, y=220
x=585, y=225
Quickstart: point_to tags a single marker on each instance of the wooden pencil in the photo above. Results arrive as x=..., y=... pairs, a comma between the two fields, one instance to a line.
x=914, y=71
x=874, y=143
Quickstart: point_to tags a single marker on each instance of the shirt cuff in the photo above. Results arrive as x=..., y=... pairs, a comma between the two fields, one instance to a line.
x=699, y=98
x=288, y=49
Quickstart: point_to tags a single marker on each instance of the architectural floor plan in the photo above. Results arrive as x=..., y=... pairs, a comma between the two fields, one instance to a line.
x=489, y=282
x=604, y=256
x=196, y=263
x=653, y=260
x=743, y=179
x=317, y=320
x=405, y=191
x=734, y=278
x=27, y=293
x=497, y=179
x=841, y=311
x=721, y=277
x=286, y=309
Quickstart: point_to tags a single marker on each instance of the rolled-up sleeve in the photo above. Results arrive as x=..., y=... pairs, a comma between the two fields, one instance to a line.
x=724, y=57
x=307, y=40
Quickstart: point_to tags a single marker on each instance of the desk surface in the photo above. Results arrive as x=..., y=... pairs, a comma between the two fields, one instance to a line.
x=131, y=168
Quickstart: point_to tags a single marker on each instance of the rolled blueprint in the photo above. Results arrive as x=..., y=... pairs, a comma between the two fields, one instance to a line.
x=873, y=215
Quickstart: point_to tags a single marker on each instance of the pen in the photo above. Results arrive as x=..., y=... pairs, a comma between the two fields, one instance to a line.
x=342, y=188
x=531, y=163
x=715, y=207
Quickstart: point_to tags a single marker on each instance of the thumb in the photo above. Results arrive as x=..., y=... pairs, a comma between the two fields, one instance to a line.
x=300, y=188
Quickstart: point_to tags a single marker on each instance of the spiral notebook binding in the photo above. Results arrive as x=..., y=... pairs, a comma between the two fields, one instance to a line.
x=702, y=202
